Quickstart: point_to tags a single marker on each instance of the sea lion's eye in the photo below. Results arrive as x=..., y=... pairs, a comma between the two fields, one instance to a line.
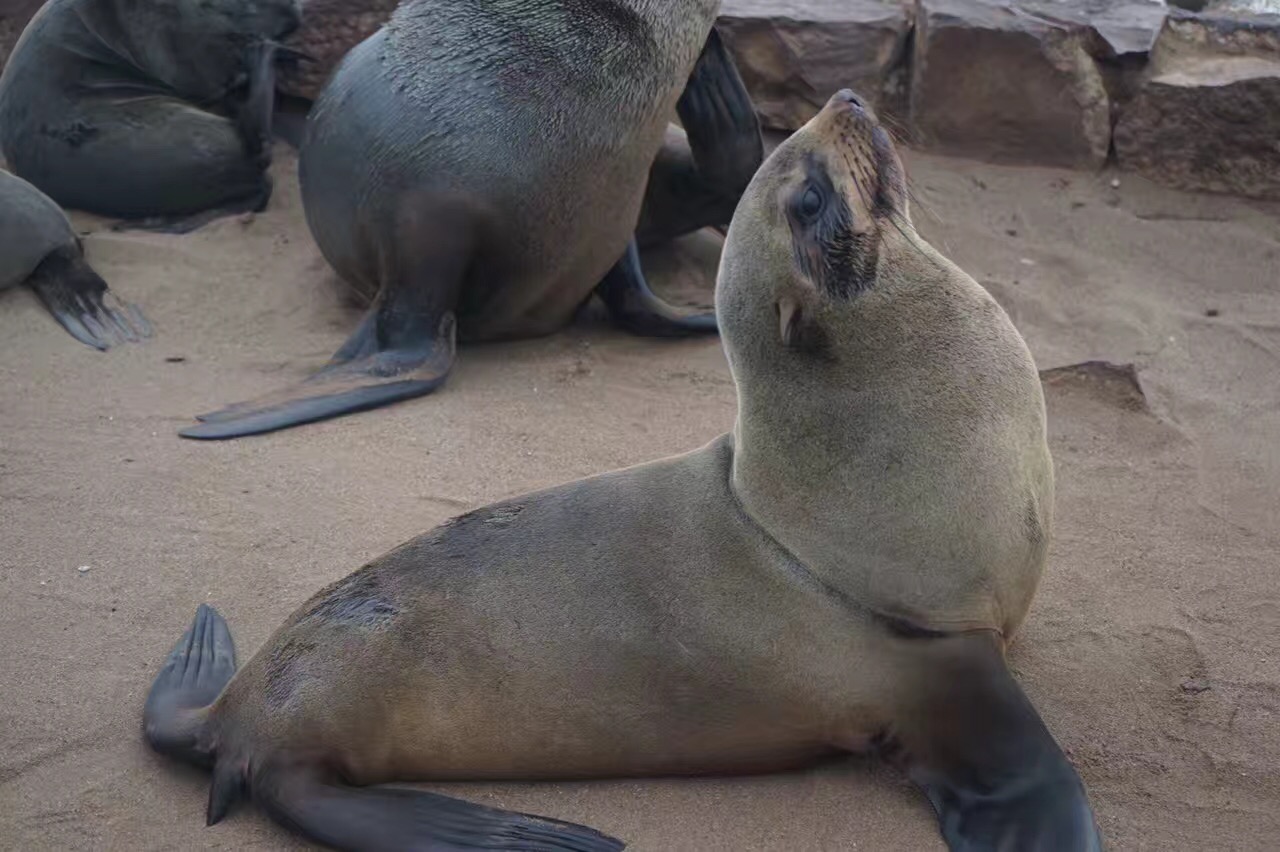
x=810, y=203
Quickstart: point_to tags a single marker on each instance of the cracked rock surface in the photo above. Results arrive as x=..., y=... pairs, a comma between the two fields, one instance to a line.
x=1207, y=114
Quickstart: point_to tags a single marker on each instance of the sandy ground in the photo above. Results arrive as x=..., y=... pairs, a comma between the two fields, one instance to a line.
x=1152, y=651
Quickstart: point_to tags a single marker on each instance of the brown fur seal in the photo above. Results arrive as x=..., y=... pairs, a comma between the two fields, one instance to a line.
x=482, y=169
x=39, y=248
x=844, y=569
x=153, y=110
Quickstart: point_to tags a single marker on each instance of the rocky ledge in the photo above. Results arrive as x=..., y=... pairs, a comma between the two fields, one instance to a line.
x=1189, y=96
x=1207, y=112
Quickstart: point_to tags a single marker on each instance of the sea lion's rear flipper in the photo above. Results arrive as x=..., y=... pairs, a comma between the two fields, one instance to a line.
x=388, y=818
x=635, y=307
x=974, y=743
x=83, y=304
x=701, y=172
x=193, y=675
x=403, y=348
x=391, y=357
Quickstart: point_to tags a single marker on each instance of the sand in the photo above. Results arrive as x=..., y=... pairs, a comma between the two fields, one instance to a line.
x=1152, y=650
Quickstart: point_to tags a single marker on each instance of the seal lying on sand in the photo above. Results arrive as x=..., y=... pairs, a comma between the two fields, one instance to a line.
x=144, y=109
x=39, y=248
x=481, y=168
x=844, y=569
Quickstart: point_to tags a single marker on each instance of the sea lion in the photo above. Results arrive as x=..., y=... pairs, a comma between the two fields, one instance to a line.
x=844, y=569
x=39, y=248
x=146, y=110
x=481, y=168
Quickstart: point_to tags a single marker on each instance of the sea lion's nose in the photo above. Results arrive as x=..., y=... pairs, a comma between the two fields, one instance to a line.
x=849, y=98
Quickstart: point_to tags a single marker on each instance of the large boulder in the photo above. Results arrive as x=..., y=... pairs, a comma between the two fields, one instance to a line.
x=1116, y=29
x=995, y=81
x=794, y=54
x=14, y=15
x=1207, y=115
x=329, y=29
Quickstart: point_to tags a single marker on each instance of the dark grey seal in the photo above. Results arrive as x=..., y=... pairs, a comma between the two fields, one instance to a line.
x=38, y=248
x=481, y=168
x=152, y=110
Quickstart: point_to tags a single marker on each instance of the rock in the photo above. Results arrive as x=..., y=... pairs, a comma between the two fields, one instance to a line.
x=329, y=29
x=14, y=15
x=794, y=54
x=1207, y=113
x=1117, y=29
x=994, y=81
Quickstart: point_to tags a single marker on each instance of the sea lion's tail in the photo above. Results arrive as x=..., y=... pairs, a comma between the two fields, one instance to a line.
x=193, y=675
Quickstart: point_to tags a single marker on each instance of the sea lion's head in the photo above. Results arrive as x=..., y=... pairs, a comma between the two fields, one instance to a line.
x=891, y=429
x=815, y=221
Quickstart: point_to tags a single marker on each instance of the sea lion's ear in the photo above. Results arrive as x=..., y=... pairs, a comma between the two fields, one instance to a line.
x=788, y=315
x=798, y=326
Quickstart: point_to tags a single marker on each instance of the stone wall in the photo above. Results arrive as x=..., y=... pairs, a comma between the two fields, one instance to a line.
x=1188, y=98
x=1189, y=95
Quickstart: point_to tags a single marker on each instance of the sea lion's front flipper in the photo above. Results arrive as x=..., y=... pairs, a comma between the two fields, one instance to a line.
x=701, y=172
x=253, y=112
x=973, y=742
x=83, y=304
x=389, y=818
x=635, y=307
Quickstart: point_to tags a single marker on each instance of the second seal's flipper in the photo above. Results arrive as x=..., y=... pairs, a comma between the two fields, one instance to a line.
x=974, y=743
x=635, y=307
x=389, y=359
x=716, y=111
x=82, y=303
x=701, y=172
x=193, y=675
x=372, y=819
x=253, y=112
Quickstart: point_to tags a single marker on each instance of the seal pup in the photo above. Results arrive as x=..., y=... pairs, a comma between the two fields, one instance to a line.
x=39, y=248
x=150, y=110
x=841, y=571
x=480, y=170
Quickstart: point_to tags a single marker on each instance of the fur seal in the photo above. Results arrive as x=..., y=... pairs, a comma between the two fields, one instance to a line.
x=39, y=248
x=146, y=110
x=843, y=570
x=482, y=169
